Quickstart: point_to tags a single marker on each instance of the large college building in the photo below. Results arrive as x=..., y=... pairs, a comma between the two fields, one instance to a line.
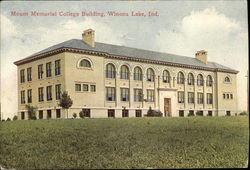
x=105, y=80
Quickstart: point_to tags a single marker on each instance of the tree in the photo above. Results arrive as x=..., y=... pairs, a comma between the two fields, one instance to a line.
x=65, y=101
x=31, y=112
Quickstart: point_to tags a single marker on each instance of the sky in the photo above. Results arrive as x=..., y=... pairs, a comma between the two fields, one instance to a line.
x=181, y=27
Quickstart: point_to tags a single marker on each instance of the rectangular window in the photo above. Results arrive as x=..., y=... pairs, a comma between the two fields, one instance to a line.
x=200, y=98
x=29, y=73
x=125, y=113
x=40, y=94
x=40, y=114
x=58, y=91
x=138, y=95
x=78, y=87
x=210, y=113
x=48, y=69
x=29, y=96
x=111, y=113
x=150, y=95
x=124, y=94
x=86, y=112
x=57, y=67
x=92, y=88
x=22, y=115
x=49, y=93
x=209, y=98
x=191, y=113
x=110, y=93
x=138, y=113
x=231, y=95
x=85, y=87
x=190, y=97
x=180, y=97
x=58, y=113
x=40, y=71
x=224, y=96
x=48, y=114
x=22, y=97
x=181, y=113
x=22, y=76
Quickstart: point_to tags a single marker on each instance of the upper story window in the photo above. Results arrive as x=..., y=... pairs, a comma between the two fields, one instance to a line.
x=227, y=79
x=22, y=97
x=124, y=72
x=29, y=95
x=110, y=93
x=200, y=80
x=150, y=74
x=48, y=69
x=85, y=63
x=40, y=71
x=58, y=91
x=40, y=94
x=180, y=78
x=29, y=74
x=110, y=71
x=181, y=98
x=57, y=67
x=138, y=95
x=124, y=94
x=49, y=93
x=190, y=79
x=190, y=97
x=150, y=95
x=209, y=81
x=200, y=98
x=22, y=76
x=165, y=77
x=137, y=73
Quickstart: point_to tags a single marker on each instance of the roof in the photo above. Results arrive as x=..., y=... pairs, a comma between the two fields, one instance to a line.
x=135, y=53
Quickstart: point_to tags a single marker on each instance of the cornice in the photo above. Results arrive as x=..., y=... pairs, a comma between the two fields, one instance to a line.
x=106, y=55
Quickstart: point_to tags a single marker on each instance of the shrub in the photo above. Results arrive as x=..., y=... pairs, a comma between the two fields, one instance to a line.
x=199, y=113
x=74, y=115
x=15, y=117
x=3, y=120
x=153, y=113
x=81, y=114
x=8, y=119
x=190, y=114
x=243, y=113
x=31, y=112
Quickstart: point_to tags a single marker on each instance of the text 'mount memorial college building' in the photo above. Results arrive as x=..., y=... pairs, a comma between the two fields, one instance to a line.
x=105, y=80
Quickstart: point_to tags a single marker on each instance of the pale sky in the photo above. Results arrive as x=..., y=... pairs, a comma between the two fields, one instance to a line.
x=182, y=27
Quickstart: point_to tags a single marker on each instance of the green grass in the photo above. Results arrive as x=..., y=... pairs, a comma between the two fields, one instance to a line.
x=193, y=142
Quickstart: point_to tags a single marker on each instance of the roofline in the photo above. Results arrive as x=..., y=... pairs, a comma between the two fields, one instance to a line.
x=107, y=55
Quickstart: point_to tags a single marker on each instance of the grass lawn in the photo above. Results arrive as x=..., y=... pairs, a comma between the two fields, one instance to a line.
x=192, y=142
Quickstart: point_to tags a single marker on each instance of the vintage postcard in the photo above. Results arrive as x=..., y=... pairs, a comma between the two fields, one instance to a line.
x=124, y=84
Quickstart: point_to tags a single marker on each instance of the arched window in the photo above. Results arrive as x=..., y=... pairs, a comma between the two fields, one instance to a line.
x=209, y=81
x=150, y=74
x=85, y=63
x=180, y=78
x=190, y=79
x=110, y=71
x=137, y=73
x=227, y=79
x=124, y=72
x=165, y=76
x=200, y=80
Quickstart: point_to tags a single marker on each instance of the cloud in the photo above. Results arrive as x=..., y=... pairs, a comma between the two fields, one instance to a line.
x=224, y=39
x=19, y=41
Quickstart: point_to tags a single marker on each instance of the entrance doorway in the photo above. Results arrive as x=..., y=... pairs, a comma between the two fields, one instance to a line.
x=167, y=107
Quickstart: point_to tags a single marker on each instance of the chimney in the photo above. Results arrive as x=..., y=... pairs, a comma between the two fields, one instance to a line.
x=202, y=56
x=88, y=36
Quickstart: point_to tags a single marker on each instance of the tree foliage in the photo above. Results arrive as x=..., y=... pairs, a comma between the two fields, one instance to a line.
x=31, y=112
x=65, y=101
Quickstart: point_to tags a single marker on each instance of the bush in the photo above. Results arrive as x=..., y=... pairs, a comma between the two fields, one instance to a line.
x=153, y=113
x=3, y=120
x=81, y=114
x=190, y=114
x=31, y=112
x=8, y=119
x=243, y=113
x=199, y=113
x=74, y=115
x=15, y=117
